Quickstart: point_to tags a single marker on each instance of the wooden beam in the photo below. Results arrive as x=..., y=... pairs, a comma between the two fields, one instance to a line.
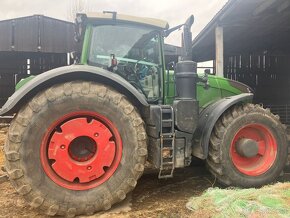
x=219, y=44
x=263, y=7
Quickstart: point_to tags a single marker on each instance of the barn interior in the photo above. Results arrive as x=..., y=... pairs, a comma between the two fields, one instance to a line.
x=249, y=42
x=30, y=46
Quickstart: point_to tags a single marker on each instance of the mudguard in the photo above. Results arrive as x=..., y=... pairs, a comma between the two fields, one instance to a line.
x=208, y=118
x=70, y=73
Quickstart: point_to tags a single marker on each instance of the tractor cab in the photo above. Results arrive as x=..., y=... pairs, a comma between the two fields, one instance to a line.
x=128, y=46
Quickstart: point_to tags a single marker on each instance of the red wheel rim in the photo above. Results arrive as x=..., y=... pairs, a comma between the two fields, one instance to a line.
x=267, y=150
x=81, y=150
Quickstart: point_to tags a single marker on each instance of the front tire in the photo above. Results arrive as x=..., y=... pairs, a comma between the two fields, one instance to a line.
x=76, y=148
x=248, y=147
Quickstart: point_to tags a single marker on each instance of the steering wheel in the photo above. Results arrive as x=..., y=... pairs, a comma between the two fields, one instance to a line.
x=136, y=64
x=128, y=71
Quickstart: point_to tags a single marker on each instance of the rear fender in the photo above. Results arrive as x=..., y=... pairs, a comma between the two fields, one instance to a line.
x=71, y=73
x=208, y=118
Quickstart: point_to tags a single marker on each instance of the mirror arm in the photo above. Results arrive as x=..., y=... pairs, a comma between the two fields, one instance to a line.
x=169, y=31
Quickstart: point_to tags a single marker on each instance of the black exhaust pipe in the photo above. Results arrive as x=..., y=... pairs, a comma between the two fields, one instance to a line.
x=187, y=39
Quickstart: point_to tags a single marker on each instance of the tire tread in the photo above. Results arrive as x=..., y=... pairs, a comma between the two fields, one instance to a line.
x=22, y=120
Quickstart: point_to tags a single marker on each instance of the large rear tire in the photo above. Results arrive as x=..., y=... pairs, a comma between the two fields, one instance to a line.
x=248, y=147
x=76, y=148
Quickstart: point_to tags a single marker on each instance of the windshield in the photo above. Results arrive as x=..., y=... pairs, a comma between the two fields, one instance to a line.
x=131, y=52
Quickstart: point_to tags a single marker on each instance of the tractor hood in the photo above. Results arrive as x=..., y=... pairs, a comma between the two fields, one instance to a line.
x=219, y=88
x=229, y=85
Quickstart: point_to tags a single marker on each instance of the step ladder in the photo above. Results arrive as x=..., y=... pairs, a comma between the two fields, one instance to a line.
x=167, y=138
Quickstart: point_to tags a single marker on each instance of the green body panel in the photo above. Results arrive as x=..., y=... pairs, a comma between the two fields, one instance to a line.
x=218, y=88
x=86, y=45
x=23, y=82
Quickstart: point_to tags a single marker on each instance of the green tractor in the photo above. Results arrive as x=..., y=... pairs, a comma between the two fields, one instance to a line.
x=81, y=134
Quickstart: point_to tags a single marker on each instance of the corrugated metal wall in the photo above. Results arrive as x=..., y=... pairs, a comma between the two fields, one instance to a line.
x=37, y=34
x=31, y=46
x=17, y=65
x=268, y=75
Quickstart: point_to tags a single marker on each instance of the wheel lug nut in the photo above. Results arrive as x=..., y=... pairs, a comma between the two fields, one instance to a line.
x=89, y=168
x=62, y=146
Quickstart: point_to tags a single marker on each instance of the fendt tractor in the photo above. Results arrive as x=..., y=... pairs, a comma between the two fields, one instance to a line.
x=81, y=134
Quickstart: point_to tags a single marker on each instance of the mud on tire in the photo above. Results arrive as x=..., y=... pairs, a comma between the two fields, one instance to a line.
x=26, y=133
x=259, y=124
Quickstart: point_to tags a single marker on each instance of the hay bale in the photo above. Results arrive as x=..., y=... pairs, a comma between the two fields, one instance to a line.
x=269, y=201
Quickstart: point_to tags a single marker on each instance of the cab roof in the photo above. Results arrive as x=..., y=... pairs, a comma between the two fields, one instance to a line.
x=121, y=18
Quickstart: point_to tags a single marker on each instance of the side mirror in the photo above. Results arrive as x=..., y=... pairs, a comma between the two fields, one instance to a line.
x=204, y=79
x=207, y=71
x=74, y=56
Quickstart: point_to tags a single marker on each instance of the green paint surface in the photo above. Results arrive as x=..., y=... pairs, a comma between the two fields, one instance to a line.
x=86, y=45
x=218, y=88
x=23, y=82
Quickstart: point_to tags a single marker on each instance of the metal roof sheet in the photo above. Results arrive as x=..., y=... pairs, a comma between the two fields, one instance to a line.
x=249, y=26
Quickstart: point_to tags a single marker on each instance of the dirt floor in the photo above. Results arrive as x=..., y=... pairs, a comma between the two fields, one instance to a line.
x=151, y=197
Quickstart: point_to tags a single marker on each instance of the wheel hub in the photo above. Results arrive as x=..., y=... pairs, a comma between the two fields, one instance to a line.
x=82, y=148
x=247, y=147
x=253, y=149
x=81, y=152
